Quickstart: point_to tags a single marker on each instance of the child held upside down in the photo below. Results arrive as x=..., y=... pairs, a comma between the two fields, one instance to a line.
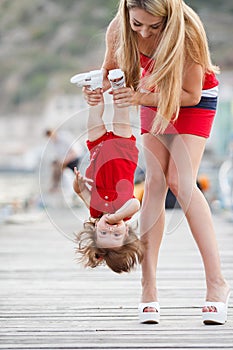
x=107, y=190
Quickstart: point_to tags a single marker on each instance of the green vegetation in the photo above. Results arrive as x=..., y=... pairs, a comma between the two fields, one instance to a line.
x=44, y=42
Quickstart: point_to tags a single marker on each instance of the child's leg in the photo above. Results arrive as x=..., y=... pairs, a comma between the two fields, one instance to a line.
x=95, y=124
x=121, y=121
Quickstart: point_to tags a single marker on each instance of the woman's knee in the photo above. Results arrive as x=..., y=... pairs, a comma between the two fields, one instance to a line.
x=181, y=185
x=173, y=183
x=156, y=181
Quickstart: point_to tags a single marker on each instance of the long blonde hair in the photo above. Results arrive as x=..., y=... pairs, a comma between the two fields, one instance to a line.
x=183, y=38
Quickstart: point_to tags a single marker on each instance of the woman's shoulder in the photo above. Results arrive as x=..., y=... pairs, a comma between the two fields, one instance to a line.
x=113, y=27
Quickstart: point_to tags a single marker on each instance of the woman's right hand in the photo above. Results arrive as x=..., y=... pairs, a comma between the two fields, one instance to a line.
x=93, y=97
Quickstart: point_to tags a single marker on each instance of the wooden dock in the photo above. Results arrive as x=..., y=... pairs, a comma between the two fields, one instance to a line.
x=47, y=301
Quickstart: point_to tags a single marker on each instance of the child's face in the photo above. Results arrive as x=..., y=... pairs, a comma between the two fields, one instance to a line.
x=110, y=236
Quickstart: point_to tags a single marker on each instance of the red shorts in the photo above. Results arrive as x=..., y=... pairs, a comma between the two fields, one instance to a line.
x=195, y=120
x=191, y=120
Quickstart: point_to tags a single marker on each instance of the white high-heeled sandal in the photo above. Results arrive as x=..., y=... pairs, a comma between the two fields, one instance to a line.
x=216, y=317
x=151, y=316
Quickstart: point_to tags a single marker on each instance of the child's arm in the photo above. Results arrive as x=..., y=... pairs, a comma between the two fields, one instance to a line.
x=80, y=187
x=126, y=211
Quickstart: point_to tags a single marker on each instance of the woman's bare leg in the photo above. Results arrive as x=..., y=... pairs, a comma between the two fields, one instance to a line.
x=153, y=212
x=182, y=175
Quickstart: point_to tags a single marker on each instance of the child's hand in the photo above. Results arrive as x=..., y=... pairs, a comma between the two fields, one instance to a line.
x=111, y=219
x=80, y=181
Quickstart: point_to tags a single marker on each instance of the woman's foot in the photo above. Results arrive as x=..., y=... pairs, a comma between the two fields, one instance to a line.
x=149, y=312
x=215, y=309
x=217, y=291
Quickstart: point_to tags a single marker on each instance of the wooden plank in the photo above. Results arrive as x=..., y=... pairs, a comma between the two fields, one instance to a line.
x=48, y=302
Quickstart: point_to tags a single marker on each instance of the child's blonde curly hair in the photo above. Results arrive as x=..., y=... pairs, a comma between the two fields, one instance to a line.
x=120, y=259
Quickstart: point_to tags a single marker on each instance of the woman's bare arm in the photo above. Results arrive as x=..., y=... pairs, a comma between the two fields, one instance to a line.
x=111, y=40
x=110, y=62
x=190, y=94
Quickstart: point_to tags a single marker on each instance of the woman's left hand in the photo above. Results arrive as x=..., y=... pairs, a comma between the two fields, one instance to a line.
x=124, y=97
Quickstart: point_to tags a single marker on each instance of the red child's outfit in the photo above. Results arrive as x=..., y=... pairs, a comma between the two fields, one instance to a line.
x=195, y=120
x=113, y=161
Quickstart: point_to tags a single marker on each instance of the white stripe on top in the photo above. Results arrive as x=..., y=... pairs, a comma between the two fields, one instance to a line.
x=213, y=92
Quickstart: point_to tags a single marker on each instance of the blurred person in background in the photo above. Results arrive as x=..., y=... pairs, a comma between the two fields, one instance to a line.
x=66, y=154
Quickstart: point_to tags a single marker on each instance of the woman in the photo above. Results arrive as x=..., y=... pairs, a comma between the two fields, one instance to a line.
x=178, y=95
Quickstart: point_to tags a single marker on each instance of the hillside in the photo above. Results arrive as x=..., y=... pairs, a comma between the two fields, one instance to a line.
x=44, y=42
